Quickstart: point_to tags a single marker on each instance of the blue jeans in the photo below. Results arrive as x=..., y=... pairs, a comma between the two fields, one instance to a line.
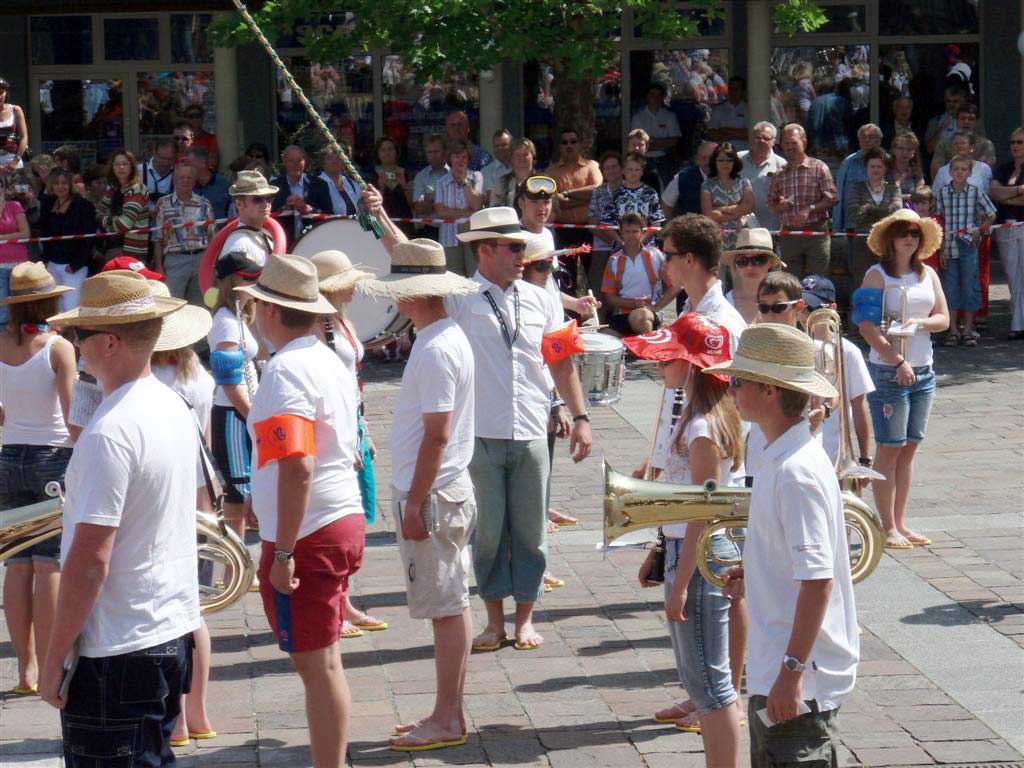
x=900, y=414
x=701, y=644
x=121, y=709
x=961, y=282
x=5, y=291
x=24, y=472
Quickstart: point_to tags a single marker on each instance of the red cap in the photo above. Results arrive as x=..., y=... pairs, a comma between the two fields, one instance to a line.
x=693, y=337
x=130, y=262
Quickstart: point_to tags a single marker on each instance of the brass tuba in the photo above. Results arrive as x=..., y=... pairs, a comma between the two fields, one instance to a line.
x=631, y=504
x=22, y=527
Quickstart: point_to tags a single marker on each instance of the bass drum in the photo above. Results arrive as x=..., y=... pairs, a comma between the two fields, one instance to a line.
x=377, y=322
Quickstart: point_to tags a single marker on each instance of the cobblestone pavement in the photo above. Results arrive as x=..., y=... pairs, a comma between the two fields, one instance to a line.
x=939, y=682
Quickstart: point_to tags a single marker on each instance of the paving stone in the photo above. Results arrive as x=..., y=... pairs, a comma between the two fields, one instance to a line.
x=970, y=751
x=949, y=730
x=893, y=756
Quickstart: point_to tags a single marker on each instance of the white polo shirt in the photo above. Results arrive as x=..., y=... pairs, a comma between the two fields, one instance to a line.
x=729, y=115
x=134, y=469
x=760, y=178
x=796, y=533
x=438, y=378
x=305, y=378
x=662, y=125
x=715, y=306
x=512, y=397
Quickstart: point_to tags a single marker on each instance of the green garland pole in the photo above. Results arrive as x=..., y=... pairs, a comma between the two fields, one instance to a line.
x=366, y=220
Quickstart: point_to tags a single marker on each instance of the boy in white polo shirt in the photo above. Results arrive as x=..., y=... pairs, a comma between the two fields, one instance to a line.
x=305, y=492
x=432, y=501
x=803, y=644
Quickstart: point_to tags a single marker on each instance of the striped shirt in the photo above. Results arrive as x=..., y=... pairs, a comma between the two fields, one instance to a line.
x=451, y=194
x=132, y=213
x=804, y=184
x=966, y=208
x=171, y=214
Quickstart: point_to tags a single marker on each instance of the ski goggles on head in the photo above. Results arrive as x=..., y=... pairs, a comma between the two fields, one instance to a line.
x=540, y=187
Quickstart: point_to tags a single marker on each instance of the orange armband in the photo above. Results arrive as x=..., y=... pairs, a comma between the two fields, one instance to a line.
x=562, y=343
x=282, y=436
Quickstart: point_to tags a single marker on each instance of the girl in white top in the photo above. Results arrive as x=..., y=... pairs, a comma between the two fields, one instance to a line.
x=337, y=279
x=904, y=380
x=706, y=444
x=37, y=373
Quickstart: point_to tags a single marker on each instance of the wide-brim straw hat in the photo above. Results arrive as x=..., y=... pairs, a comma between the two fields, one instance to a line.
x=336, y=272
x=536, y=250
x=931, y=232
x=750, y=242
x=779, y=355
x=251, y=183
x=417, y=270
x=500, y=223
x=182, y=328
x=118, y=297
x=30, y=281
x=289, y=281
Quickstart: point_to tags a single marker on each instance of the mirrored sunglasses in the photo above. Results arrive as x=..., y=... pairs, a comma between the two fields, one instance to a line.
x=777, y=308
x=757, y=260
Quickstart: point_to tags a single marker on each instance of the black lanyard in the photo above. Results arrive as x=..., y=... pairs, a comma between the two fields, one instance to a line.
x=510, y=340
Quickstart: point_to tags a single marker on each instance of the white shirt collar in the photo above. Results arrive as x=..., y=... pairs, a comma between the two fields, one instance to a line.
x=788, y=442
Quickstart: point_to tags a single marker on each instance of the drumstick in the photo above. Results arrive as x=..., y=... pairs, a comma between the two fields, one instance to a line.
x=649, y=471
x=593, y=319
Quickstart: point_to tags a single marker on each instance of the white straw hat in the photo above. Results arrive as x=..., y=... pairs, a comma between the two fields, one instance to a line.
x=336, y=272
x=417, y=269
x=182, y=328
x=501, y=223
x=30, y=281
x=750, y=242
x=117, y=297
x=289, y=281
x=931, y=232
x=780, y=355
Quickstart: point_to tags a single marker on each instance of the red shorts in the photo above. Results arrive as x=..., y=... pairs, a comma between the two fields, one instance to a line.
x=310, y=618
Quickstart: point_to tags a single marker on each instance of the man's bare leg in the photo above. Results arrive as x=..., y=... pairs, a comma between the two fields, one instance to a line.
x=328, y=703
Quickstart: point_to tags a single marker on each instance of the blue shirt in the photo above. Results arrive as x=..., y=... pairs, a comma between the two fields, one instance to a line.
x=216, y=191
x=850, y=172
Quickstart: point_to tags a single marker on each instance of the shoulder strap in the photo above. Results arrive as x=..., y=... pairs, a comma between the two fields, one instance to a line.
x=211, y=475
x=651, y=274
x=620, y=268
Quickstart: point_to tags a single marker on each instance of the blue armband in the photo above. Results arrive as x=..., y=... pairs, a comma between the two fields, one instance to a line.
x=867, y=305
x=226, y=366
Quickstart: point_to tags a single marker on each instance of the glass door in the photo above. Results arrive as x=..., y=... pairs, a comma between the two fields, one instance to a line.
x=85, y=113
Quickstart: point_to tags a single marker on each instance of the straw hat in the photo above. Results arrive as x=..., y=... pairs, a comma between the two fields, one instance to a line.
x=31, y=282
x=750, y=242
x=536, y=250
x=116, y=298
x=183, y=328
x=336, y=272
x=931, y=232
x=251, y=183
x=417, y=270
x=778, y=355
x=289, y=281
x=501, y=223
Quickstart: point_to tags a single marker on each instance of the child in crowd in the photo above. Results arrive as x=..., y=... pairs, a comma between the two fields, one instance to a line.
x=922, y=200
x=635, y=282
x=962, y=205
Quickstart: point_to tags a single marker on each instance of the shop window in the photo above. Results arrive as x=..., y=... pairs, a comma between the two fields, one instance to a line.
x=695, y=81
x=189, y=43
x=825, y=89
x=414, y=110
x=163, y=99
x=539, y=112
x=88, y=114
x=61, y=40
x=131, y=39
x=928, y=17
x=343, y=96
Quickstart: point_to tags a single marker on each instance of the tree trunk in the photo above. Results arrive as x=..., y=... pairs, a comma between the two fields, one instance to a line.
x=574, y=108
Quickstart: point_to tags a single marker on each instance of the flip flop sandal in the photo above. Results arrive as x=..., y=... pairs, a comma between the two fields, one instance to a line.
x=521, y=646
x=400, y=730
x=180, y=742
x=970, y=341
x=552, y=527
x=487, y=647
x=925, y=542
x=951, y=340
x=348, y=631
x=372, y=625
x=565, y=520
x=202, y=734
x=895, y=545
x=23, y=690
x=689, y=727
x=423, y=746
x=686, y=712
x=551, y=582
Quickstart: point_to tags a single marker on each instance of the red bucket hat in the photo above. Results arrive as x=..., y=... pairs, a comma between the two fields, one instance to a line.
x=693, y=337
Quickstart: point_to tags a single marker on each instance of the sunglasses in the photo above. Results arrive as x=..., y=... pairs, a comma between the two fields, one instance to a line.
x=514, y=247
x=541, y=185
x=81, y=334
x=262, y=200
x=570, y=141
x=909, y=232
x=541, y=266
x=735, y=383
x=1016, y=141
x=758, y=260
x=777, y=308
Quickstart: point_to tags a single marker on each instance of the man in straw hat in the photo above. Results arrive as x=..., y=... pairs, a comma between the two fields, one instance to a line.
x=130, y=510
x=253, y=197
x=432, y=495
x=803, y=644
x=305, y=494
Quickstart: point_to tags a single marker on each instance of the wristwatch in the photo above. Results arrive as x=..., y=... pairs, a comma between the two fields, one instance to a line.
x=582, y=417
x=793, y=664
x=282, y=555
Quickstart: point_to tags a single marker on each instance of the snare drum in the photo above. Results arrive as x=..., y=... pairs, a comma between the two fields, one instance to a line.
x=602, y=368
x=376, y=322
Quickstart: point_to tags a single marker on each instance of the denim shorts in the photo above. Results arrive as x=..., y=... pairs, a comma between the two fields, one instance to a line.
x=121, y=709
x=900, y=414
x=701, y=644
x=24, y=472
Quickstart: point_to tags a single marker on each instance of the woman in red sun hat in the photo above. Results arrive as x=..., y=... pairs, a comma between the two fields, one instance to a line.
x=706, y=444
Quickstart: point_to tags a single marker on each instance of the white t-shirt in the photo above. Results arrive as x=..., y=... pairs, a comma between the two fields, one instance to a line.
x=251, y=242
x=307, y=379
x=350, y=351
x=674, y=401
x=677, y=463
x=796, y=533
x=225, y=329
x=858, y=383
x=133, y=469
x=198, y=391
x=438, y=379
